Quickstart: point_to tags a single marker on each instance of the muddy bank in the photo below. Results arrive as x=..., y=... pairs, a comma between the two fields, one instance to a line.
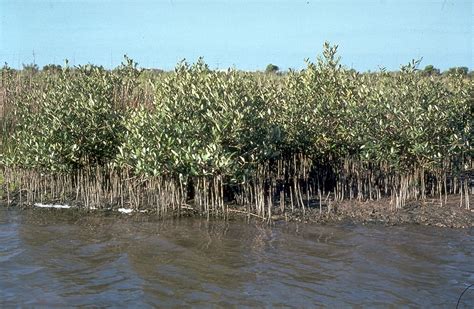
x=428, y=212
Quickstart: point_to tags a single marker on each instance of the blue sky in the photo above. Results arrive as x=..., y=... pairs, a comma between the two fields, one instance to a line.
x=241, y=33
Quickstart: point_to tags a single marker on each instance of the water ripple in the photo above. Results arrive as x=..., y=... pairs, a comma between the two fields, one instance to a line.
x=61, y=261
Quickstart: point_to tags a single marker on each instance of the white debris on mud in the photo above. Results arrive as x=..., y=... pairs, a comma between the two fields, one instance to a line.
x=58, y=206
x=52, y=206
x=125, y=210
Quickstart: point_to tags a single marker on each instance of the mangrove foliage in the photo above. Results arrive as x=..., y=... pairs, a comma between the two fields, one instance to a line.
x=209, y=141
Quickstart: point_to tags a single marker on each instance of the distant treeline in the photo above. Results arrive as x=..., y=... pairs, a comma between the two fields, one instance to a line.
x=428, y=70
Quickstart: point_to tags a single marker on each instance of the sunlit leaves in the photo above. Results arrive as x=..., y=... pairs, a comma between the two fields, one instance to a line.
x=207, y=123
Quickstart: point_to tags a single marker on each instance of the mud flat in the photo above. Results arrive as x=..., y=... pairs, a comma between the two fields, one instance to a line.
x=429, y=212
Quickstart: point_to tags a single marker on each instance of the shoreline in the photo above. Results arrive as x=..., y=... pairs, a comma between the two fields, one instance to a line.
x=428, y=212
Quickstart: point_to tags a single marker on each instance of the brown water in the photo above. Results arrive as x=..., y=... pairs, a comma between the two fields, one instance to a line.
x=50, y=258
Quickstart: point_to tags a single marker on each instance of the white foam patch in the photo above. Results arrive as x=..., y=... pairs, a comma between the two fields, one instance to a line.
x=52, y=206
x=125, y=210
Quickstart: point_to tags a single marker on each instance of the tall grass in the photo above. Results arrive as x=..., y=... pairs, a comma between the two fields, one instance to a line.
x=203, y=140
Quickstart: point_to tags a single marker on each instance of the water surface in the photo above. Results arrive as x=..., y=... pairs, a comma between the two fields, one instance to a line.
x=53, y=258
